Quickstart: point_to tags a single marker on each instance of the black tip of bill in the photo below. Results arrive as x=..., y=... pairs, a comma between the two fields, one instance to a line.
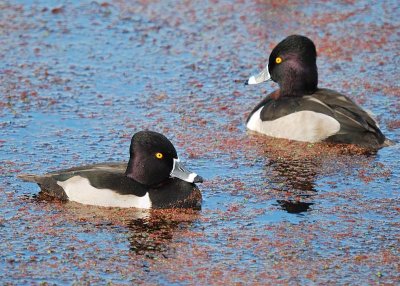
x=198, y=179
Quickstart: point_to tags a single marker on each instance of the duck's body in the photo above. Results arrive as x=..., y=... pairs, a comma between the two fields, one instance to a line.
x=324, y=115
x=300, y=110
x=114, y=185
x=106, y=185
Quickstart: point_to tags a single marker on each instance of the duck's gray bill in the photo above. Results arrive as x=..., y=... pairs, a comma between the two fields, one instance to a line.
x=261, y=77
x=179, y=171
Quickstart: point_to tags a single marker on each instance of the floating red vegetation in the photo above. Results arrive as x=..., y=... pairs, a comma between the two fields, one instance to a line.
x=393, y=124
x=57, y=10
x=79, y=79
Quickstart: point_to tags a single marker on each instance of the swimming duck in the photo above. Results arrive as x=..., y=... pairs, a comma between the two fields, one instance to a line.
x=301, y=111
x=153, y=178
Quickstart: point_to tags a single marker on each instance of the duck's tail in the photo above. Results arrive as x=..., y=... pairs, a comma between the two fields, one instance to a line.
x=28, y=177
x=388, y=143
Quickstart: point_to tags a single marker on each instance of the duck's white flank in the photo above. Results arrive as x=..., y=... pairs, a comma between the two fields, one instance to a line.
x=307, y=126
x=78, y=189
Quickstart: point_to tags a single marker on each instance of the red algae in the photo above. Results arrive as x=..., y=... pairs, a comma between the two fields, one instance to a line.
x=79, y=79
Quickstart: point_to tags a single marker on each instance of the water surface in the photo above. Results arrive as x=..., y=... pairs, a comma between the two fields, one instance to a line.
x=78, y=79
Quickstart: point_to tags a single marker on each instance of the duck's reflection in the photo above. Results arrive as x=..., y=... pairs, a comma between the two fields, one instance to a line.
x=296, y=175
x=152, y=236
x=150, y=233
x=294, y=206
x=296, y=178
x=293, y=167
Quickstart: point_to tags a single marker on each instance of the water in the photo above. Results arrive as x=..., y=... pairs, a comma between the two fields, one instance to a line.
x=78, y=79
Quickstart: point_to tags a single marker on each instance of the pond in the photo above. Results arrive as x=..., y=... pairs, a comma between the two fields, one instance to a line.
x=78, y=79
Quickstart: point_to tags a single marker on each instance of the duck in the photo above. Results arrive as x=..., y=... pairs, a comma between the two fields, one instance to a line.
x=300, y=110
x=153, y=178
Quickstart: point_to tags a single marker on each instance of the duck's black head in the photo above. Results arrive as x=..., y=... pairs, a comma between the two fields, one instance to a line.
x=153, y=160
x=293, y=65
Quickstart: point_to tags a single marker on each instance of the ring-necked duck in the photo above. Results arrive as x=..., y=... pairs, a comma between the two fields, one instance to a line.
x=301, y=111
x=153, y=178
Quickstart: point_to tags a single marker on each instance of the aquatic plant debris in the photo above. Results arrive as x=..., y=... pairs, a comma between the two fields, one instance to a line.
x=78, y=79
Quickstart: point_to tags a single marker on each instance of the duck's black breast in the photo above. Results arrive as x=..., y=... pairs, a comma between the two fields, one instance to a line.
x=175, y=193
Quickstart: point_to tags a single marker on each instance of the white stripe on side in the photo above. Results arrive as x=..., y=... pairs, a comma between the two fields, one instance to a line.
x=307, y=126
x=78, y=189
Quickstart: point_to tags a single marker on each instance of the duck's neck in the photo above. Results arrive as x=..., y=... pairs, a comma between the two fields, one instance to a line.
x=299, y=82
x=163, y=183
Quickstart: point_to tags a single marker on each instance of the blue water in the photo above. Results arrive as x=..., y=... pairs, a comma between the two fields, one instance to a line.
x=76, y=83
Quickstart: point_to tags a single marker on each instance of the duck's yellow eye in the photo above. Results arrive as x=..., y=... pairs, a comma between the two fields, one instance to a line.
x=278, y=60
x=159, y=155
